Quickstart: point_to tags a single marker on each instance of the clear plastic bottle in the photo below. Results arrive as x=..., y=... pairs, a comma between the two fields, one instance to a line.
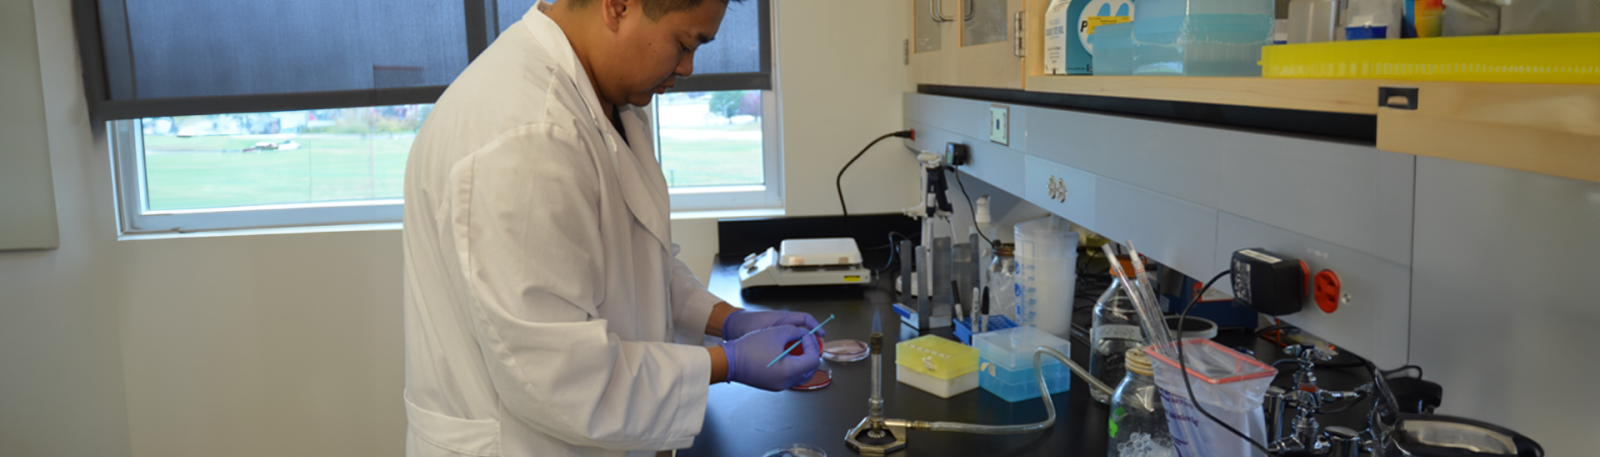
x=1138, y=422
x=1115, y=330
x=1002, y=280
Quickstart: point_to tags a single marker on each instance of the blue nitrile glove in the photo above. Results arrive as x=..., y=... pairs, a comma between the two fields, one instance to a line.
x=742, y=322
x=748, y=358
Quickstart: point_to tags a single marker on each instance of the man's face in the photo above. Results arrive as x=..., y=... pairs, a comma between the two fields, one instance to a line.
x=649, y=55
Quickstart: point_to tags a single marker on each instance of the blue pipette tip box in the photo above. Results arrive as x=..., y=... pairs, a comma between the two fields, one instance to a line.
x=1006, y=363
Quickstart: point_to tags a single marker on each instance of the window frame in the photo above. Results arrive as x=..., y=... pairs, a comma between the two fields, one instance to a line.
x=127, y=161
x=107, y=63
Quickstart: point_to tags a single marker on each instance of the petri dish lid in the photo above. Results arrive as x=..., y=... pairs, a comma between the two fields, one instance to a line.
x=795, y=450
x=820, y=379
x=845, y=350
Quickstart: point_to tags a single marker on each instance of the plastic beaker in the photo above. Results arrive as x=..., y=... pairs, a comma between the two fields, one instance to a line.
x=1047, y=263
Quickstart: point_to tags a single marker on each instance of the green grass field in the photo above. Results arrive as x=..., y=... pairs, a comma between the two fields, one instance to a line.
x=210, y=172
x=712, y=161
x=184, y=173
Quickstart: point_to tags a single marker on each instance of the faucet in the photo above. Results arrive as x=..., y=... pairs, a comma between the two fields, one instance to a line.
x=1304, y=399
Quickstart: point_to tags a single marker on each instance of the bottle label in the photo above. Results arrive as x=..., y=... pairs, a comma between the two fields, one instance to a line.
x=1124, y=332
x=1111, y=425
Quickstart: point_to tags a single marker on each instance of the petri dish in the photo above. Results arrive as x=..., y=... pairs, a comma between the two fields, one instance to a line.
x=795, y=450
x=801, y=349
x=845, y=351
x=820, y=379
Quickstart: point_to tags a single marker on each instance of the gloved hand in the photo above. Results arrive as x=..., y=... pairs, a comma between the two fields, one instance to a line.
x=742, y=322
x=748, y=358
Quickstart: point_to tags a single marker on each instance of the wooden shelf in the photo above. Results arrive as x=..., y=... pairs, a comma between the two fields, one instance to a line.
x=1330, y=95
x=1545, y=128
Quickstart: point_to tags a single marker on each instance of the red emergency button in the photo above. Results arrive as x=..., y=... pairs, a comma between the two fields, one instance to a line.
x=1327, y=290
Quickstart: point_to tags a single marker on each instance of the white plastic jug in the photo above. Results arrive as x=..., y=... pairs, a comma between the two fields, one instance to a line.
x=1047, y=264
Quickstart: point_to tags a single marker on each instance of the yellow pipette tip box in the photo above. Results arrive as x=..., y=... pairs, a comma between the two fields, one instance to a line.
x=1567, y=58
x=936, y=365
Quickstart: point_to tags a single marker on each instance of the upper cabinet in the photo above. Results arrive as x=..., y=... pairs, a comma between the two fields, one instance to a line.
x=965, y=43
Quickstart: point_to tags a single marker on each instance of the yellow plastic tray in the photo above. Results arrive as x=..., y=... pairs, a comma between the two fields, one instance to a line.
x=1570, y=58
x=936, y=357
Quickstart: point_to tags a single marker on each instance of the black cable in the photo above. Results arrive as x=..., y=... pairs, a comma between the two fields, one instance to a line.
x=1270, y=329
x=1339, y=409
x=970, y=205
x=839, y=180
x=1183, y=367
x=894, y=251
x=1386, y=373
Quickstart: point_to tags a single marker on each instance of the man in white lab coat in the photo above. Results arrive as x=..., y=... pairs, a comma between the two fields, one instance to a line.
x=543, y=297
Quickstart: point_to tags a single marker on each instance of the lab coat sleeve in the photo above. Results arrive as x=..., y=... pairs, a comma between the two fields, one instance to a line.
x=691, y=302
x=525, y=218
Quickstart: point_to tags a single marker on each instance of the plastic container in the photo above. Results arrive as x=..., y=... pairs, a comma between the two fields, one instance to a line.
x=1047, y=262
x=1550, y=16
x=1007, y=363
x=1230, y=385
x=1373, y=20
x=1312, y=21
x=1201, y=37
x=1422, y=18
x=1138, y=424
x=1113, y=50
x=1572, y=58
x=936, y=365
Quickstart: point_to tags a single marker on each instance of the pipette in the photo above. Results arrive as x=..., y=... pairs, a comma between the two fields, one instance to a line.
x=1149, y=316
x=1143, y=278
x=797, y=342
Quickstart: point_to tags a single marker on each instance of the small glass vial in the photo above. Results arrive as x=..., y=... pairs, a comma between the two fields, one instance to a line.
x=1002, y=279
x=1115, y=330
x=1138, y=424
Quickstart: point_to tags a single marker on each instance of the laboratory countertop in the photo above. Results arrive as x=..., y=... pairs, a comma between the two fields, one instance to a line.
x=745, y=421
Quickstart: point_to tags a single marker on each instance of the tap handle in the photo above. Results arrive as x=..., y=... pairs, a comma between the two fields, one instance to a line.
x=1318, y=352
x=1343, y=441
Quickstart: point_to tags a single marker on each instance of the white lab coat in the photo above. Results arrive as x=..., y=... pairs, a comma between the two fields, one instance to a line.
x=542, y=293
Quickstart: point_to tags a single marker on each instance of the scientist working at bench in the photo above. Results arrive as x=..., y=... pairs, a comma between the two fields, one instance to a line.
x=543, y=298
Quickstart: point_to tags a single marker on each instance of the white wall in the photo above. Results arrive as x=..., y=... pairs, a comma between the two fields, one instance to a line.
x=60, y=365
x=291, y=344
x=842, y=74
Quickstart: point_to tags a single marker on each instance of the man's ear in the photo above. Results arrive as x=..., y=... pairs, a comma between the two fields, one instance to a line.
x=613, y=12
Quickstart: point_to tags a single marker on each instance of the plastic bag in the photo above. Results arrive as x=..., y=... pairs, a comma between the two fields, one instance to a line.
x=1228, y=384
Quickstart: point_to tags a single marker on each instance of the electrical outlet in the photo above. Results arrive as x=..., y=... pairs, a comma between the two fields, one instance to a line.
x=1000, y=124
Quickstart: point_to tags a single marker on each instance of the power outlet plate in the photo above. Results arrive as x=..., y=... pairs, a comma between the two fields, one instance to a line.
x=1000, y=124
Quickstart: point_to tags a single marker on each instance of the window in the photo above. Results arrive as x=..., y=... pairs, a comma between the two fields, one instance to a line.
x=313, y=167
x=229, y=114
x=718, y=149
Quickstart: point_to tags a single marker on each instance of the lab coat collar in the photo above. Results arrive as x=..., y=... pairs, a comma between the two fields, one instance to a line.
x=643, y=186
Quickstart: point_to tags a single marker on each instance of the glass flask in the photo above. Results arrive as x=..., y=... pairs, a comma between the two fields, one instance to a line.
x=1115, y=330
x=1138, y=424
x=1002, y=280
